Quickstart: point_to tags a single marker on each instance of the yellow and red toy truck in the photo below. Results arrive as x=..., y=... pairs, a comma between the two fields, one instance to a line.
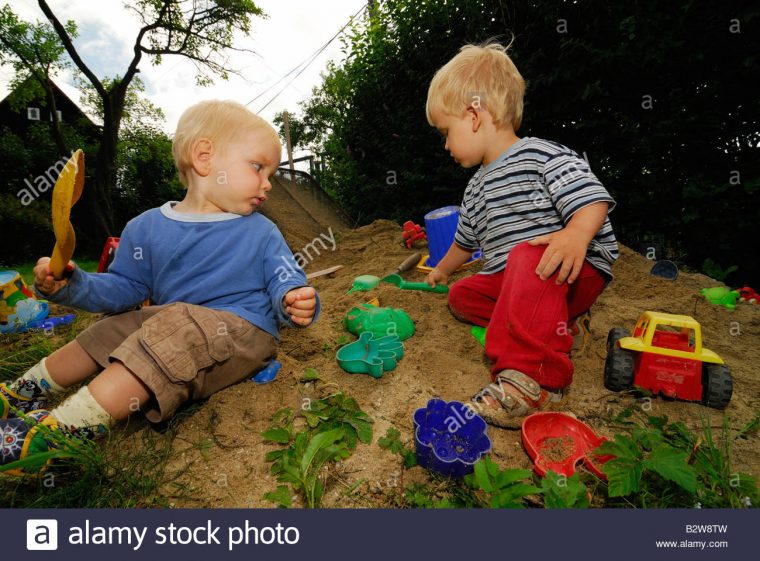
x=665, y=355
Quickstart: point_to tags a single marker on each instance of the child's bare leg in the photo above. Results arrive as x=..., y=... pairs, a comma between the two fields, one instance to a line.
x=70, y=364
x=118, y=391
x=113, y=395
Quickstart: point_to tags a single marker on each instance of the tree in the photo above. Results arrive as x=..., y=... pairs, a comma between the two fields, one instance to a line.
x=34, y=51
x=659, y=99
x=199, y=30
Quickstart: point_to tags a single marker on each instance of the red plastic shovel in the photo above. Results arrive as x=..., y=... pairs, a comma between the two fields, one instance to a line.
x=559, y=442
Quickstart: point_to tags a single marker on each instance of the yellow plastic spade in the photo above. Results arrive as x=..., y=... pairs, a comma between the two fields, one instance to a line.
x=67, y=191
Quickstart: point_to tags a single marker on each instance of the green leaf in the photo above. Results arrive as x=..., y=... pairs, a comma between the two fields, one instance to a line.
x=658, y=422
x=620, y=447
x=623, y=476
x=671, y=464
x=647, y=438
x=281, y=496
x=317, y=443
x=564, y=492
x=509, y=476
x=276, y=435
x=312, y=419
x=410, y=458
x=519, y=490
x=391, y=441
x=623, y=416
x=481, y=476
x=310, y=374
x=273, y=455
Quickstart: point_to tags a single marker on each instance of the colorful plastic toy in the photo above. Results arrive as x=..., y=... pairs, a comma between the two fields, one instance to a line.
x=559, y=442
x=379, y=321
x=19, y=309
x=449, y=437
x=412, y=233
x=441, y=226
x=665, y=269
x=50, y=323
x=748, y=295
x=423, y=286
x=370, y=355
x=479, y=333
x=364, y=283
x=665, y=355
x=268, y=373
x=108, y=253
x=12, y=290
x=721, y=296
x=67, y=190
x=28, y=314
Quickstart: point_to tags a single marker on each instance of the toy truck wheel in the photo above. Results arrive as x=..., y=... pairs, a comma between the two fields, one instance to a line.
x=615, y=334
x=618, y=369
x=718, y=385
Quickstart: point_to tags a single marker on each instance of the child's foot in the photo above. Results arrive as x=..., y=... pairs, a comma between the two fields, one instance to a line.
x=580, y=330
x=10, y=400
x=22, y=438
x=512, y=397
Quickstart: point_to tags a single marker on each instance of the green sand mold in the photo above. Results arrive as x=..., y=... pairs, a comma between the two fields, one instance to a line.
x=721, y=296
x=379, y=321
x=370, y=355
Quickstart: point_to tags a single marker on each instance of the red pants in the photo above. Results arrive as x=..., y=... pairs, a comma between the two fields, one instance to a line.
x=527, y=318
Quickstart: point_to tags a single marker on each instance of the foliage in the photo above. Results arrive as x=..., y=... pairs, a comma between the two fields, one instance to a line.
x=500, y=488
x=712, y=269
x=33, y=50
x=662, y=464
x=334, y=425
x=623, y=83
x=202, y=32
x=105, y=473
x=560, y=491
x=392, y=442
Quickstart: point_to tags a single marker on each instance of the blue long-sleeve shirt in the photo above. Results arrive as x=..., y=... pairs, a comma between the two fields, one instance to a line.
x=223, y=261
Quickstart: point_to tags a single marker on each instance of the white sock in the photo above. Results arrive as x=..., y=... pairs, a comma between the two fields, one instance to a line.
x=36, y=382
x=82, y=411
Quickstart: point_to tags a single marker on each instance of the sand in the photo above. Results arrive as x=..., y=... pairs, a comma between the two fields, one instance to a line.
x=442, y=359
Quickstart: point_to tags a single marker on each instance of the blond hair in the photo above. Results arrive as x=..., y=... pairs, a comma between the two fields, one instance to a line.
x=480, y=76
x=222, y=122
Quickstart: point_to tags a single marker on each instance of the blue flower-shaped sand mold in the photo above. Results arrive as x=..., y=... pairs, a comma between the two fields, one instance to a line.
x=450, y=437
x=370, y=355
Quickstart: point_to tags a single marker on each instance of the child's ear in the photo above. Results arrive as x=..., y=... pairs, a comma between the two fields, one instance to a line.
x=475, y=117
x=202, y=151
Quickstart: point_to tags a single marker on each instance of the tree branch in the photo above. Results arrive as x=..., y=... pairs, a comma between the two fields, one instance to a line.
x=69, y=46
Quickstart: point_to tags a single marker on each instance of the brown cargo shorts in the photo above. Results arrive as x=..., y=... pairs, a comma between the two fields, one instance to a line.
x=181, y=352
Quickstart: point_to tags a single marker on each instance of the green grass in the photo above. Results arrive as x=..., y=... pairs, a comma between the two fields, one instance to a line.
x=25, y=269
x=126, y=469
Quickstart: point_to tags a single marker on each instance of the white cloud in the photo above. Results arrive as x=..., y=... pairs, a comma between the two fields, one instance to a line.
x=294, y=30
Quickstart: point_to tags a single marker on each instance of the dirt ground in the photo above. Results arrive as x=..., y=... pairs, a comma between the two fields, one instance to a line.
x=221, y=453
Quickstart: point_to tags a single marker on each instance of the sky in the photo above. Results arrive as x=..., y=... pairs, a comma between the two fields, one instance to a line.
x=293, y=31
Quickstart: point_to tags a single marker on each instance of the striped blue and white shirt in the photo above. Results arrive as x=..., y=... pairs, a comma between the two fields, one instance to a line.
x=532, y=189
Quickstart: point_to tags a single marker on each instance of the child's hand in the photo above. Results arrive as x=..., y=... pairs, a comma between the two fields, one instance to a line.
x=436, y=276
x=300, y=304
x=567, y=248
x=43, y=276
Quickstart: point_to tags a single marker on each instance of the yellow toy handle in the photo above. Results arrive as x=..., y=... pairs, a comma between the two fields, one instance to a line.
x=68, y=189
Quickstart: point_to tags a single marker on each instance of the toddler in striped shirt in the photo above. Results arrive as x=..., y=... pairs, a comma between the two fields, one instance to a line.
x=539, y=215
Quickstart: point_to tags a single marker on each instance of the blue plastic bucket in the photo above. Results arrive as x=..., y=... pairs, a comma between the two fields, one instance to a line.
x=440, y=226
